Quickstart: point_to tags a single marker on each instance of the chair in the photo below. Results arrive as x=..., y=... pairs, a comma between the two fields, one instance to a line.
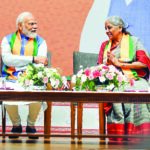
x=4, y=110
x=1, y=103
x=87, y=60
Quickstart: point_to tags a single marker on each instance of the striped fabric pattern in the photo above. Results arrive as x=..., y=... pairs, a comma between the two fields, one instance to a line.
x=20, y=45
x=126, y=53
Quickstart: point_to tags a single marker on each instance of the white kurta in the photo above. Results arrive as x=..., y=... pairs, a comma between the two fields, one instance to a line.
x=20, y=63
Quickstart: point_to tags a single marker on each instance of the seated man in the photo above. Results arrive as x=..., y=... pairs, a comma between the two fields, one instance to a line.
x=18, y=50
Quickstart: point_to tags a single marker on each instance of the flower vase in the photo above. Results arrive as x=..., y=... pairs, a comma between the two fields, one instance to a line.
x=34, y=87
x=101, y=88
x=72, y=86
x=49, y=86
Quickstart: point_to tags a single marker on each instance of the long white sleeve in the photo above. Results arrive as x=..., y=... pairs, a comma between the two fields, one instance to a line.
x=19, y=61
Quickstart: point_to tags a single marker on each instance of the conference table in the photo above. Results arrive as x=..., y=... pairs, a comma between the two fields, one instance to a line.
x=73, y=97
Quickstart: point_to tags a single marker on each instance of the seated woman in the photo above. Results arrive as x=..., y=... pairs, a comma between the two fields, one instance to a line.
x=126, y=53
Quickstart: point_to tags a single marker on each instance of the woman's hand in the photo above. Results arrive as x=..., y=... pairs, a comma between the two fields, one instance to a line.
x=112, y=59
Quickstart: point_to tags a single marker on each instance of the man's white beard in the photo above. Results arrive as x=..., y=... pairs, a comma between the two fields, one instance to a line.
x=29, y=33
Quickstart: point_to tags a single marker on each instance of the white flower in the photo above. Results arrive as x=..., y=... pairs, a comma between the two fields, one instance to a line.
x=102, y=79
x=110, y=76
x=49, y=74
x=91, y=77
x=40, y=74
x=47, y=70
x=52, y=81
x=99, y=67
x=54, y=70
x=81, y=67
x=39, y=65
x=79, y=74
x=73, y=79
x=93, y=68
x=31, y=82
x=103, y=71
x=112, y=68
x=56, y=83
x=83, y=78
x=125, y=79
x=64, y=80
x=27, y=82
x=45, y=79
x=110, y=87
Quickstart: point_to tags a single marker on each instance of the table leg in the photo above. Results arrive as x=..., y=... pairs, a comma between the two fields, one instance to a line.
x=72, y=122
x=79, y=121
x=47, y=119
x=101, y=119
x=3, y=120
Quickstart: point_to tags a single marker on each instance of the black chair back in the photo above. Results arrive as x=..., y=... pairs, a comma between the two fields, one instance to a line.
x=83, y=59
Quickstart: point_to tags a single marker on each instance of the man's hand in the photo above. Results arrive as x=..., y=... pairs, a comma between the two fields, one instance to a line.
x=41, y=59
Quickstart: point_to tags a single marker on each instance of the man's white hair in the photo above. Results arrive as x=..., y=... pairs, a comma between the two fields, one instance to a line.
x=21, y=17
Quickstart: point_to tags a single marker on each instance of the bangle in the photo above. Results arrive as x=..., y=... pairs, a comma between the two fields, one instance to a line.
x=33, y=60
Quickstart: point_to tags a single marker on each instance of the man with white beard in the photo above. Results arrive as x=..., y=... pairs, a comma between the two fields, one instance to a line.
x=18, y=50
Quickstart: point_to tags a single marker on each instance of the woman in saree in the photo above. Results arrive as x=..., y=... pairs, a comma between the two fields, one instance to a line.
x=127, y=53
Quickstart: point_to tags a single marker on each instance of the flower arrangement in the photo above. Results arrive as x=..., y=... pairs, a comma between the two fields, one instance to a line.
x=39, y=75
x=90, y=78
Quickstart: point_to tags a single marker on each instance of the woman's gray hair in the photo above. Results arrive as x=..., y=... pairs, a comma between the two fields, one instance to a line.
x=117, y=21
x=21, y=17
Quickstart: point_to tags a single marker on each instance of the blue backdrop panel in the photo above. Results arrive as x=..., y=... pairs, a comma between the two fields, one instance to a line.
x=137, y=15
